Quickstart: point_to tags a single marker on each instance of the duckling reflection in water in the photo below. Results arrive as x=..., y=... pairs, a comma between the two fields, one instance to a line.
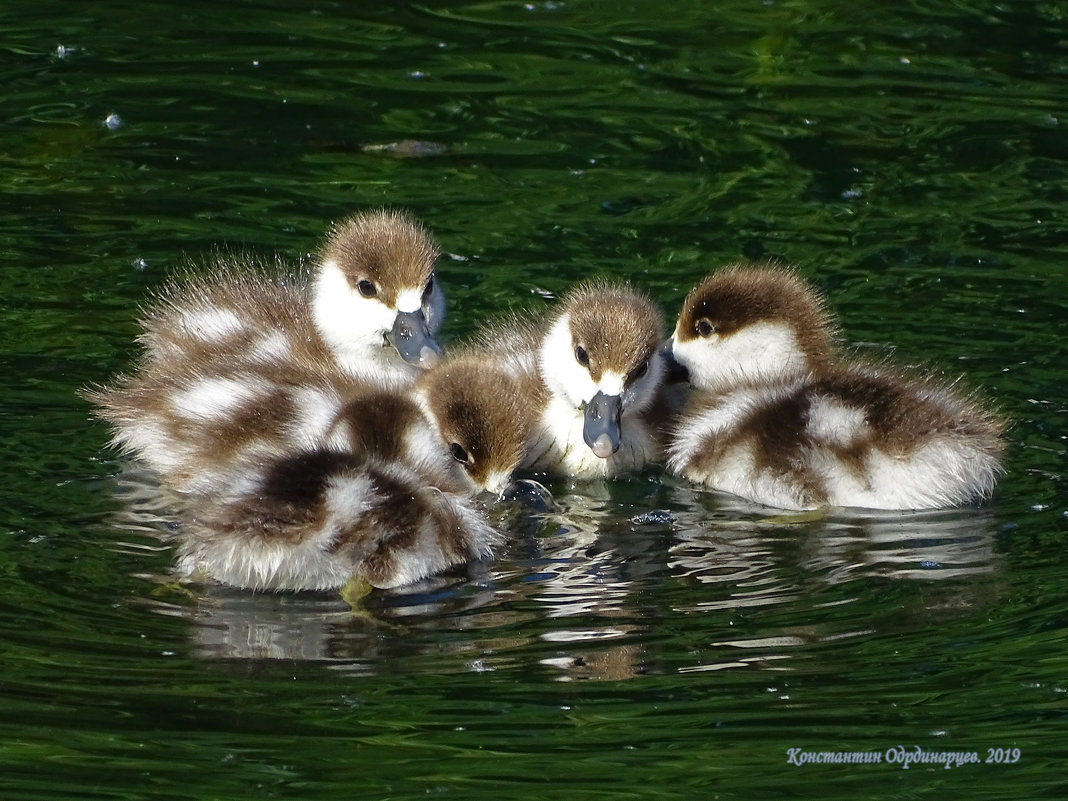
x=591, y=376
x=781, y=419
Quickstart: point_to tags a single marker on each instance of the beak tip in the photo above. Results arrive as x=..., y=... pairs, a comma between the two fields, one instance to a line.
x=603, y=447
x=429, y=358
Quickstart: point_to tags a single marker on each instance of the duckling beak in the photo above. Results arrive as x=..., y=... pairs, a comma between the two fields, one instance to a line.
x=411, y=337
x=602, y=429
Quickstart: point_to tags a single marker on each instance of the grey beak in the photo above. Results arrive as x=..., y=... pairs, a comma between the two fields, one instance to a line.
x=601, y=428
x=411, y=337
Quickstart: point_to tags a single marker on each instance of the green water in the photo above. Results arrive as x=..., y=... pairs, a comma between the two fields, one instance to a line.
x=911, y=159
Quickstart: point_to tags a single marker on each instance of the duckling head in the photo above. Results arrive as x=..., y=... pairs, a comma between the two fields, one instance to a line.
x=601, y=355
x=376, y=288
x=749, y=325
x=478, y=409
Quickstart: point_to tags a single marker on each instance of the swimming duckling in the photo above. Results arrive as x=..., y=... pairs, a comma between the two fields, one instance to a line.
x=373, y=299
x=382, y=497
x=591, y=374
x=244, y=364
x=370, y=308
x=780, y=419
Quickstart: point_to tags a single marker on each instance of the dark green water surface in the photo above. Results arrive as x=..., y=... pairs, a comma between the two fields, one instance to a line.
x=910, y=158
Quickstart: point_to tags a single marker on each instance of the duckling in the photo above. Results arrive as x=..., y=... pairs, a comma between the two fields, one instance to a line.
x=383, y=497
x=591, y=374
x=370, y=309
x=245, y=363
x=780, y=418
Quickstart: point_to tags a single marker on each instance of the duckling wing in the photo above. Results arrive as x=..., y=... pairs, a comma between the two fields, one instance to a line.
x=887, y=440
x=239, y=308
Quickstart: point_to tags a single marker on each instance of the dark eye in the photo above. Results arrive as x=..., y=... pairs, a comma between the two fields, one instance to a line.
x=366, y=288
x=705, y=328
x=637, y=372
x=582, y=357
x=458, y=453
x=428, y=288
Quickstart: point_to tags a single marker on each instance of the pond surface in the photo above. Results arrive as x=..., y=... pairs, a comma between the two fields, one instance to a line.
x=911, y=159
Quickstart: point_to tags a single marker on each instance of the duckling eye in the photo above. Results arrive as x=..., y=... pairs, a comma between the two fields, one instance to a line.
x=428, y=288
x=366, y=288
x=582, y=357
x=638, y=372
x=705, y=328
x=458, y=453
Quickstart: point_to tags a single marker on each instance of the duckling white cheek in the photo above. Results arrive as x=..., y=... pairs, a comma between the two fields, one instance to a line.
x=563, y=375
x=759, y=352
x=689, y=354
x=344, y=317
x=763, y=351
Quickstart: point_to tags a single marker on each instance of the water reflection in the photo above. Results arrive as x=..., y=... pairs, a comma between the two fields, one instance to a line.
x=582, y=590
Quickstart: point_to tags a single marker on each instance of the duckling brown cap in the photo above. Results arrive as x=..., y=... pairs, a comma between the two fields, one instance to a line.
x=619, y=327
x=740, y=295
x=389, y=248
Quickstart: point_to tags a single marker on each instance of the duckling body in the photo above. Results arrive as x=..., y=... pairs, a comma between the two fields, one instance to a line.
x=590, y=375
x=247, y=364
x=317, y=519
x=384, y=495
x=780, y=419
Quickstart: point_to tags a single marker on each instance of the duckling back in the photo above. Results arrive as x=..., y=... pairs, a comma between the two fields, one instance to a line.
x=319, y=518
x=854, y=436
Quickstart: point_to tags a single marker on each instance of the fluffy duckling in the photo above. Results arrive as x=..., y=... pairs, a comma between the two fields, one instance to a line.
x=369, y=309
x=206, y=434
x=781, y=420
x=244, y=363
x=383, y=496
x=590, y=375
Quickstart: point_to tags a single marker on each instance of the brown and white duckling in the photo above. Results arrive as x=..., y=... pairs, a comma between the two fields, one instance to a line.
x=591, y=375
x=369, y=309
x=779, y=418
x=244, y=361
x=383, y=498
